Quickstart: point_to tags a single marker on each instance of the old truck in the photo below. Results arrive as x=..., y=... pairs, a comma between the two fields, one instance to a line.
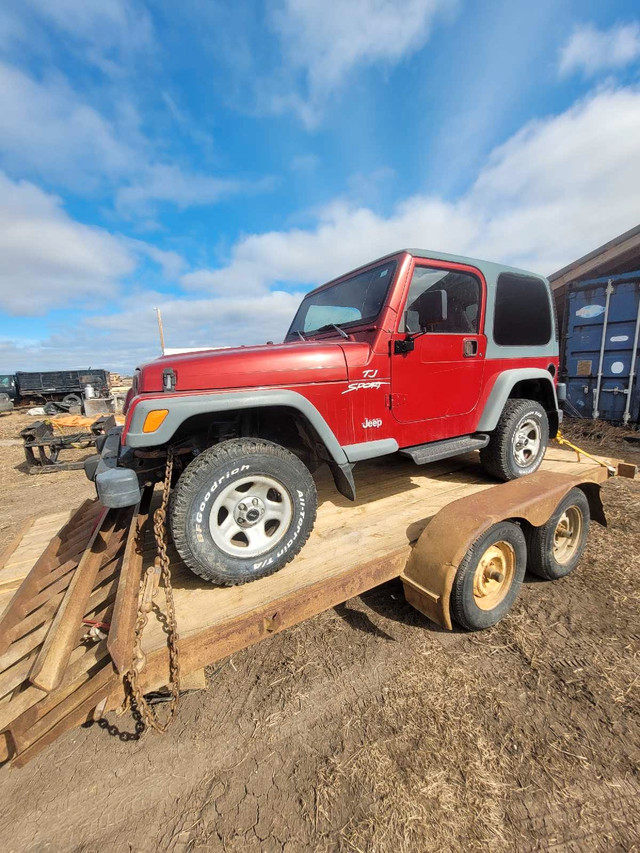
x=61, y=386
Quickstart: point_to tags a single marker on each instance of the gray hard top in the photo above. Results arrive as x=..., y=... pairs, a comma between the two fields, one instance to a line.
x=489, y=269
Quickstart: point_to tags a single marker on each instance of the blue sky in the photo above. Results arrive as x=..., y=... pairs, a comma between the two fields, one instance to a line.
x=218, y=159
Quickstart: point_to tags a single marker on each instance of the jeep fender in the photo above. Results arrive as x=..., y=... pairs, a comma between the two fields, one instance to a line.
x=504, y=385
x=183, y=407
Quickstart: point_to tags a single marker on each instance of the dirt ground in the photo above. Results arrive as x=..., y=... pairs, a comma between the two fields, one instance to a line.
x=369, y=729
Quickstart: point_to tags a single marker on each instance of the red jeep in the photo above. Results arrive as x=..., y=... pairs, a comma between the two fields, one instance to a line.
x=421, y=353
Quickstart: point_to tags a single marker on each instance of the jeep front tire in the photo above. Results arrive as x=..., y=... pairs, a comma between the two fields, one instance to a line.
x=242, y=510
x=519, y=441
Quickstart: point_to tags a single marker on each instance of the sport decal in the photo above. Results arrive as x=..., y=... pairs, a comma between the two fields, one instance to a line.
x=366, y=386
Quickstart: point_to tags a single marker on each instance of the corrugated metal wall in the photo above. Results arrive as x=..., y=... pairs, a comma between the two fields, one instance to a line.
x=601, y=353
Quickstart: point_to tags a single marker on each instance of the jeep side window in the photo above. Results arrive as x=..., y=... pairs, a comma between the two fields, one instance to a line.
x=522, y=313
x=442, y=301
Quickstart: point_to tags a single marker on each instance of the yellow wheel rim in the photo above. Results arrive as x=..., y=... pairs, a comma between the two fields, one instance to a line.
x=494, y=575
x=567, y=535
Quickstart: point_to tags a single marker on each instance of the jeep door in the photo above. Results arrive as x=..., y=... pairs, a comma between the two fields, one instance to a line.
x=438, y=350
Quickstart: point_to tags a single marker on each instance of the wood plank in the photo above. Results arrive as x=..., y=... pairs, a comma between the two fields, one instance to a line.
x=81, y=714
x=217, y=642
x=88, y=663
x=15, y=542
x=54, y=655
x=32, y=582
x=121, y=634
x=79, y=670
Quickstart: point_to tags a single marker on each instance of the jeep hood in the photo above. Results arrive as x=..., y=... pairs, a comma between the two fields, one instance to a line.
x=258, y=366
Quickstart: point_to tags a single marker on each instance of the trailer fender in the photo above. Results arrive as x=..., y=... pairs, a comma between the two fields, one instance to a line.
x=431, y=568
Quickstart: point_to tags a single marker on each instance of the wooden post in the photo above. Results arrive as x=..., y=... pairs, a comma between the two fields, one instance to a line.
x=160, y=329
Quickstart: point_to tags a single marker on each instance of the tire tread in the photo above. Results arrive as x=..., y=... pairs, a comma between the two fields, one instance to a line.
x=222, y=453
x=495, y=456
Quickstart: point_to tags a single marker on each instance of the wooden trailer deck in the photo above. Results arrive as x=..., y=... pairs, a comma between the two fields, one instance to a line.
x=51, y=678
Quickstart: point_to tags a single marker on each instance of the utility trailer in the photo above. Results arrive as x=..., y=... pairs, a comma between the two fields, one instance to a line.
x=67, y=632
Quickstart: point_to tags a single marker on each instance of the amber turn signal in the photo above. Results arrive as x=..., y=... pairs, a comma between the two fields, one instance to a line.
x=154, y=419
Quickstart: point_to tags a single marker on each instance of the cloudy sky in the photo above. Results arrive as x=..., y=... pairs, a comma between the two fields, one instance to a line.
x=217, y=159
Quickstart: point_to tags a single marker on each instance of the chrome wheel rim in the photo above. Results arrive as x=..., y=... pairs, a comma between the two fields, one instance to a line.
x=567, y=535
x=250, y=516
x=526, y=442
x=494, y=575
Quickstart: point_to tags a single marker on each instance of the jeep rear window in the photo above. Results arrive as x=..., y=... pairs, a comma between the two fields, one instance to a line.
x=522, y=314
x=358, y=299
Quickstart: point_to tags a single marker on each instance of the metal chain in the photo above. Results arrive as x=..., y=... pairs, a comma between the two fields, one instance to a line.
x=160, y=570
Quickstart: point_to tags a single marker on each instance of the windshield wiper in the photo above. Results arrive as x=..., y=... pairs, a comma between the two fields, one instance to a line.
x=300, y=335
x=333, y=326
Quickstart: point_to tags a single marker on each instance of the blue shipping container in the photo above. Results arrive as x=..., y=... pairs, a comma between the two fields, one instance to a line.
x=602, y=321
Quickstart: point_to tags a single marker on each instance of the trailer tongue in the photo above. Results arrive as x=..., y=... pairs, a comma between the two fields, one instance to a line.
x=68, y=635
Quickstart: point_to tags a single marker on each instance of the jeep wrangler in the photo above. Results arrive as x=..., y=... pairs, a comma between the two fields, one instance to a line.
x=419, y=353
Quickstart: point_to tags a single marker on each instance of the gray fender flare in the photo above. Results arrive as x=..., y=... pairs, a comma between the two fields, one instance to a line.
x=182, y=408
x=503, y=386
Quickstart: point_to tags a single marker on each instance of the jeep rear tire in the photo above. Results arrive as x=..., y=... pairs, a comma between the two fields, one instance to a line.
x=519, y=441
x=242, y=510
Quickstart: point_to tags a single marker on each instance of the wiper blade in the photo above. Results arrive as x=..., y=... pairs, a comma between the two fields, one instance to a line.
x=333, y=326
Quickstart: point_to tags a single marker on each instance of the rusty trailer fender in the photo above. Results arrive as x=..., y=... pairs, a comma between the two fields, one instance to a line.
x=430, y=571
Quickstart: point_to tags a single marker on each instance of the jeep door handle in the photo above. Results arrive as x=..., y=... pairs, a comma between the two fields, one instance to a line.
x=470, y=347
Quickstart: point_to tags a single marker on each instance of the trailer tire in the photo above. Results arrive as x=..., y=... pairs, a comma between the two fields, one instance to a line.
x=242, y=510
x=555, y=548
x=479, y=598
x=503, y=457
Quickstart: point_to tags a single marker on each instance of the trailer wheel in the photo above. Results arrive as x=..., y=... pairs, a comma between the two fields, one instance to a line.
x=518, y=443
x=555, y=548
x=488, y=579
x=242, y=510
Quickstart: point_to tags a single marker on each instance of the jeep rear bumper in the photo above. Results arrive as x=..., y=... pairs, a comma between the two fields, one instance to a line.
x=116, y=486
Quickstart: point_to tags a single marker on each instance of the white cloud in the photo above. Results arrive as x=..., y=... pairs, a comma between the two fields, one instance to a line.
x=327, y=42
x=108, y=33
x=164, y=183
x=557, y=189
x=123, y=340
x=590, y=50
x=46, y=130
x=48, y=259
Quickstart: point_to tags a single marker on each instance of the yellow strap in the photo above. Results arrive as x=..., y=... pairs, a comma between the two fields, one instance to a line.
x=562, y=440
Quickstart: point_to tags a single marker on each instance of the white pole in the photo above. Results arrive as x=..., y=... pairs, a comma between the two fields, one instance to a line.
x=596, y=400
x=160, y=329
x=632, y=369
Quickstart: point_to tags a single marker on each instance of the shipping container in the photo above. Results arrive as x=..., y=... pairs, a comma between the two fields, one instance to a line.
x=600, y=348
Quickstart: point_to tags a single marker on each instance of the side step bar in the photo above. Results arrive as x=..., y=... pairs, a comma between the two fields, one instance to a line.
x=436, y=450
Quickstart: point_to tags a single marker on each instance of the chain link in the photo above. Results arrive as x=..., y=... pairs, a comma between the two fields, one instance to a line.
x=159, y=571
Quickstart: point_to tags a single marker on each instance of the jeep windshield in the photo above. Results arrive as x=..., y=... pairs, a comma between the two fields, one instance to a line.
x=351, y=302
